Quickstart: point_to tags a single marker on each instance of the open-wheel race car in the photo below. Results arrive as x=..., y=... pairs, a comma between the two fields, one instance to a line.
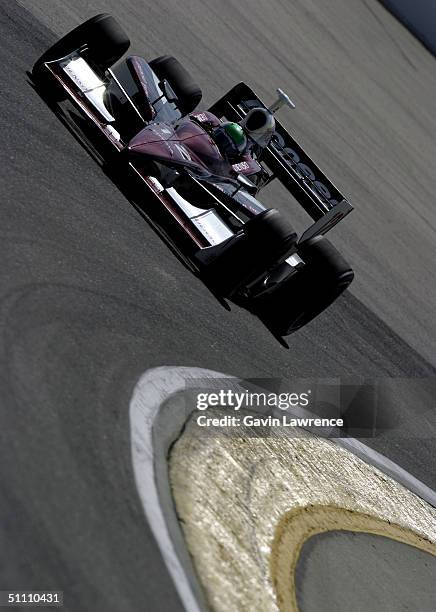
x=205, y=169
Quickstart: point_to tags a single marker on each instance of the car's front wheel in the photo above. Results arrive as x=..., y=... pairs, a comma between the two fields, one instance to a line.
x=308, y=292
x=265, y=239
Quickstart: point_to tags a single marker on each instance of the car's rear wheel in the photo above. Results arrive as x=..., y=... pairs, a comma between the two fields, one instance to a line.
x=103, y=37
x=308, y=292
x=186, y=89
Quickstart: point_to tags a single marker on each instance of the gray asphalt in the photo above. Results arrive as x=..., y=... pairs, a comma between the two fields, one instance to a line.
x=90, y=297
x=385, y=575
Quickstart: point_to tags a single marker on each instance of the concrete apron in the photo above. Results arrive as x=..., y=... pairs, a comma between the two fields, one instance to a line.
x=247, y=504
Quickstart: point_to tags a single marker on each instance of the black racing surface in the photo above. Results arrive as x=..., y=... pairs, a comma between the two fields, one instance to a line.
x=91, y=298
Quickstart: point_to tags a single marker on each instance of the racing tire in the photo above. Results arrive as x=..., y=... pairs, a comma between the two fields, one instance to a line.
x=186, y=89
x=265, y=239
x=105, y=39
x=308, y=292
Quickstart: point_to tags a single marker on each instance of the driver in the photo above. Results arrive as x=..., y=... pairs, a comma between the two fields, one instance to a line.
x=249, y=136
x=231, y=140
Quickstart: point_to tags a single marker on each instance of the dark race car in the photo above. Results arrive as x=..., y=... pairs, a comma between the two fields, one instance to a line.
x=205, y=169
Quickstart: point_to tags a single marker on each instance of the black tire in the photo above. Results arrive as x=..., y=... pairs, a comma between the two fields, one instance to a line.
x=312, y=289
x=266, y=238
x=186, y=89
x=104, y=37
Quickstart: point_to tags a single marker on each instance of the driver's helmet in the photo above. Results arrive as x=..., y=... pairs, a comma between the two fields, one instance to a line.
x=259, y=124
x=230, y=140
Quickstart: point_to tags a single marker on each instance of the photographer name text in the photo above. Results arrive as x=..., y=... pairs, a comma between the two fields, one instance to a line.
x=267, y=421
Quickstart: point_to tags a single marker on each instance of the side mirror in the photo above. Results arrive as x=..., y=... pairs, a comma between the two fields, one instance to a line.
x=246, y=181
x=168, y=91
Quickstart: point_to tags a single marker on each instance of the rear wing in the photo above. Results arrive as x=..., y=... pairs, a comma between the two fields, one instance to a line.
x=291, y=165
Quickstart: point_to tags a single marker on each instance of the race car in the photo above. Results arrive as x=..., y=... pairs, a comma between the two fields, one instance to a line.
x=199, y=173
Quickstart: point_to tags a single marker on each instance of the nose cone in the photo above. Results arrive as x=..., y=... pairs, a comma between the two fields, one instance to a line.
x=152, y=140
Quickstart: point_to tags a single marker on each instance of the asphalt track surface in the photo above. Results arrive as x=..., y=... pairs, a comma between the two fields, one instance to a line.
x=331, y=576
x=91, y=297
